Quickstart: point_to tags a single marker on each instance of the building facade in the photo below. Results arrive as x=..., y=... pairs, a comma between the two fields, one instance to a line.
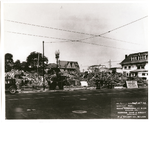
x=98, y=68
x=69, y=66
x=136, y=64
x=65, y=66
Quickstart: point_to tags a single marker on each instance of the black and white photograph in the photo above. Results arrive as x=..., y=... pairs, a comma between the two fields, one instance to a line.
x=74, y=75
x=76, y=60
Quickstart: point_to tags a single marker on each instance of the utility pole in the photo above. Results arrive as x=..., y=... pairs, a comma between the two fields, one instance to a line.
x=57, y=60
x=57, y=57
x=43, y=68
x=109, y=63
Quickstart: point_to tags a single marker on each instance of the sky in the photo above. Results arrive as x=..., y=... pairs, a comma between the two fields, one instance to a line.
x=128, y=31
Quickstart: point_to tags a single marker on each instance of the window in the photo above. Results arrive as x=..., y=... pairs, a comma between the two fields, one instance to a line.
x=138, y=67
x=129, y=67
x=142, y=67
x=143, y=74
x=125, y=67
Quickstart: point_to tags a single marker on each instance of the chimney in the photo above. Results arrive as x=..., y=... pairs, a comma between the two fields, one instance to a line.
x=126, y=56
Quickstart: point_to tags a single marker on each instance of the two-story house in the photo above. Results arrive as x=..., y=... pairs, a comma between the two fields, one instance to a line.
x=65, y=66
x=136, y=64
x=70, y=66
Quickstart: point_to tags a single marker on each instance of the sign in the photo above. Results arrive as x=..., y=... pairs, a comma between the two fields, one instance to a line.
x=84, y=83
x=131, y=84
x=133, y=108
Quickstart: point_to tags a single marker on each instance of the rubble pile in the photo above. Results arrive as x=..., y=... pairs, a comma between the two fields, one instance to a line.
x=100, y=79
x=25, y=78
x=106, y=79
x=12, y=73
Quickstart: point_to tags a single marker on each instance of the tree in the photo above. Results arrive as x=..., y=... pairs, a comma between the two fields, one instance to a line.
x=35, y=60
x=8, y=62
x=17, y=65
x=24, y=66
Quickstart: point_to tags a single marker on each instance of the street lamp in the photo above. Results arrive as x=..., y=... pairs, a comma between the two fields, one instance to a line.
x=57, y=61
x=57, y=56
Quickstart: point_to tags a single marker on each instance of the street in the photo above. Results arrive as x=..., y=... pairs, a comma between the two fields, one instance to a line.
x=80, y=104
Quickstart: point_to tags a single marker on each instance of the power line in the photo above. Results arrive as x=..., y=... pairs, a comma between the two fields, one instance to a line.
x=112, y=61
x=114, y=29
x=102, y=37
x=101, y=63
x=120, y=40
x=92, y=35
x=35, y=25
x=61, y=41
x=106, y=46
x=66, y=40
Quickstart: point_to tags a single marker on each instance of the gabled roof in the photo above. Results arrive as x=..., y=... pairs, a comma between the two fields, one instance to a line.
x=128, y=59
x=68, y=64
x=64, y=64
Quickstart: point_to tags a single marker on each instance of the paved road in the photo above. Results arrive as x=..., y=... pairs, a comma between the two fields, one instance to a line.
x=81, y=104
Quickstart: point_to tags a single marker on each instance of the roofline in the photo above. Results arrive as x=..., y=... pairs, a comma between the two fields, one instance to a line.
x=97, y=65
x=130, y=55
x=138, y=53
x=129, y=62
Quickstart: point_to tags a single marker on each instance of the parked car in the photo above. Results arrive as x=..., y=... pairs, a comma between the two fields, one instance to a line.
x=10, y=85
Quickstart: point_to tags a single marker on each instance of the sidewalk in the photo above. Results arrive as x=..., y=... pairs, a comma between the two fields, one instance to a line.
x=65, y=89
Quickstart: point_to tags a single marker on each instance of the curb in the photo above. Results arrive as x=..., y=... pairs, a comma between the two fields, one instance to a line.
x=65, y=89
x=82, y=88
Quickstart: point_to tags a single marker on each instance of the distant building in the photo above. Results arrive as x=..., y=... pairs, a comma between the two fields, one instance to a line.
x=70, y=66
x=98, y=68
x=136, y=64
x=65, y=66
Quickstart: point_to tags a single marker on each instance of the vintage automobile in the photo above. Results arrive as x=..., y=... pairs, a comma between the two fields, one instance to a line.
x=10, y=85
